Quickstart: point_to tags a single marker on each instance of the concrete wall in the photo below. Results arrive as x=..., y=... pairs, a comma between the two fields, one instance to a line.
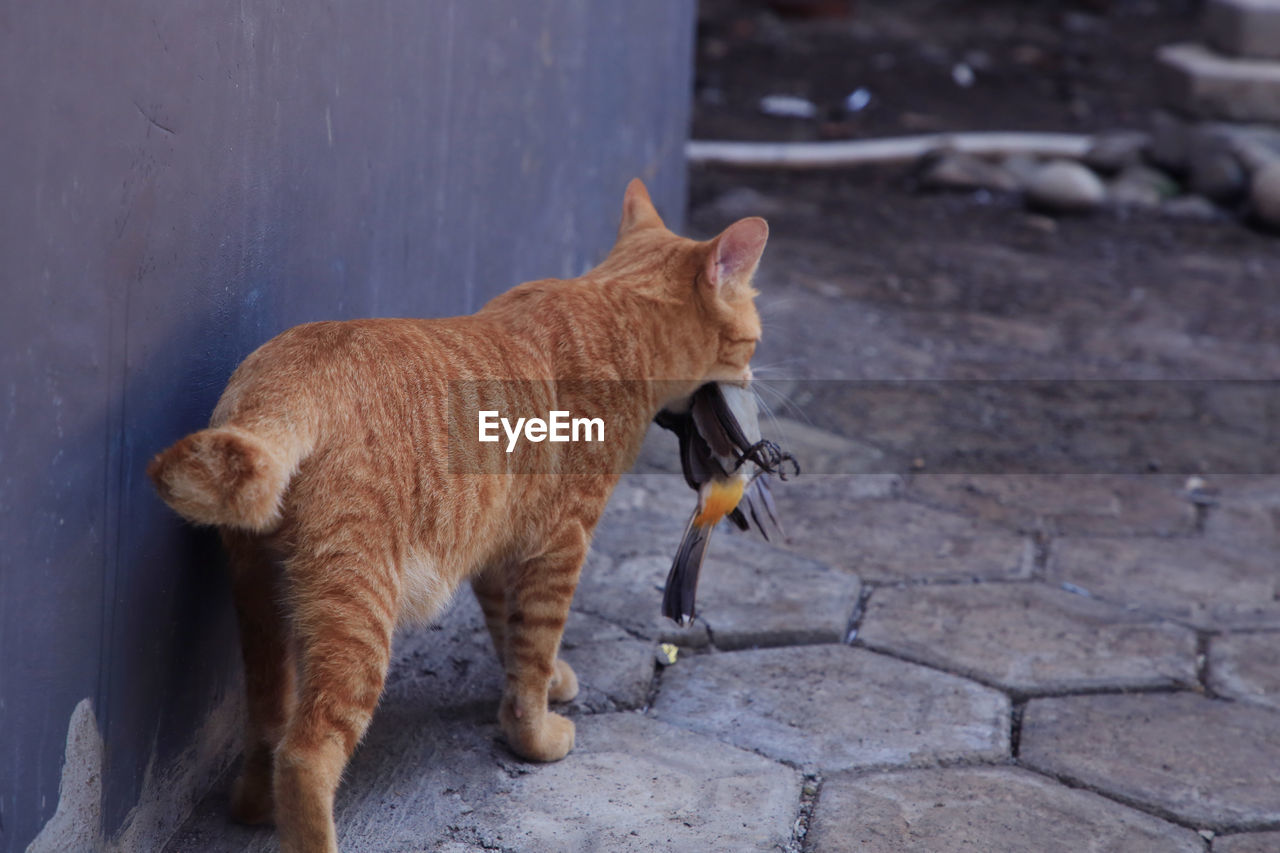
x=181, y=181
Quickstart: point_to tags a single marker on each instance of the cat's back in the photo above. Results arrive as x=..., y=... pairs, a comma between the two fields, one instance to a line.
x=330, y=364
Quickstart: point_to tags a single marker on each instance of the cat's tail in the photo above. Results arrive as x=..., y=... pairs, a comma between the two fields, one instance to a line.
x=227, y=476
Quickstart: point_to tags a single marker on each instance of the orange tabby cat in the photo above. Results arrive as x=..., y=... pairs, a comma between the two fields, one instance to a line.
x=348, y=508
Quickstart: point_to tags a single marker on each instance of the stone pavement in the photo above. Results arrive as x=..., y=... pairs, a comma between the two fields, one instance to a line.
x=925, y=661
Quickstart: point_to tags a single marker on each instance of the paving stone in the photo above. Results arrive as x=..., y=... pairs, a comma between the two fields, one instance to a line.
x=421, y=782
x=1029, y=638
x=1243, y=27
x=1246, y=667
x=751, y=593
x=1208, y=584
x=835, y=708
x=1249, y=842
x=1205, y=762
x=636, y=784
x=959, y=810
x=1246, y=512
x=1210, y=85
x=1060, y=504
x=893, y=540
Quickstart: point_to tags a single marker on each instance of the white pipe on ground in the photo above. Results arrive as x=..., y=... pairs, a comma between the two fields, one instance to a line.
x=900, y=149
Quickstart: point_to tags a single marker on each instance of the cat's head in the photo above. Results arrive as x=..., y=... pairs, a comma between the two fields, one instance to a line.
x=709, y=284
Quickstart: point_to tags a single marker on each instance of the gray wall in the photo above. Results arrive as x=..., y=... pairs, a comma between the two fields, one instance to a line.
x=181, y=181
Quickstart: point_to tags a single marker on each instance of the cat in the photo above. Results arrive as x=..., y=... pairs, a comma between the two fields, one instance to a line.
x=347, y=508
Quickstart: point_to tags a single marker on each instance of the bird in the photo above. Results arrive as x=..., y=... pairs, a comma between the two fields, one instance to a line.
x=728, y=464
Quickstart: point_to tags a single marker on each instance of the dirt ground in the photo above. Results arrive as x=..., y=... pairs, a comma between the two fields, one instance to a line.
x=867, y=279
x=1036, y=65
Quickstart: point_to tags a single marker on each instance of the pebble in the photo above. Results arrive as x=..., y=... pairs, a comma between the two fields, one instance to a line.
x=955, y=170
x=1217, y=173
x=1141, y=186
x=1191, y=207
x=1264, y=193
x=1113, y=151
x=1063, y=186
x=788, y=106
x=1021, y=166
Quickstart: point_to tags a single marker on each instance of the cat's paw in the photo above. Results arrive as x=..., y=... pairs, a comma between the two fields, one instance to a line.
x=551, y=740
x=564, y=683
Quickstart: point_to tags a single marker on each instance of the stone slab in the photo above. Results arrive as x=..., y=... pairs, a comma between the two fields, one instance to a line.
x=896, y=540
x=1210, y=85
x=1243, y=27
x=1249, y=842
x=1029, y=638
x=1245, y=510
x=420, y=782
x=1203, y=762
x=959, y=810
x=636, y=784
x=1246, y=667
x=835, y=708
x=750, y=593
x=1064, y=504
x=1207, y=584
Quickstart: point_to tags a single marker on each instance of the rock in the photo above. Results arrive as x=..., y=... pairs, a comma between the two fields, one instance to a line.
x=1206, y=762
x=964, y=809
x=956, y=170
x=1264, y=194
x=1253, y=145
x=1141, y=186
x=833, y=707
x=1029, y=638
x=1217, y=173
x=1063, y=186
x=1193, y=207
x=1246, y=667
x=1243, y=27
x=788, y=106
x=1021, y=166
x=1115, y=150
x=1170, y=142
x=1200, y=82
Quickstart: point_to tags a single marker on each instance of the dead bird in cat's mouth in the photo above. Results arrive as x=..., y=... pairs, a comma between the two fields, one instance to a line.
x=728, y=464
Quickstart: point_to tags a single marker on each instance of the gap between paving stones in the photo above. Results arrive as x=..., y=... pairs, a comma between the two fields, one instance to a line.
x=1025, y=695
x=1070, y=781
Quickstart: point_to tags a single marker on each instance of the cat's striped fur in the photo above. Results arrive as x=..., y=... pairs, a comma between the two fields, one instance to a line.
x=346, y=512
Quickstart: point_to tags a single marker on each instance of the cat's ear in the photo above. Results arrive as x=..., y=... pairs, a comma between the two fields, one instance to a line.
x=637, y=209
x=734, y=256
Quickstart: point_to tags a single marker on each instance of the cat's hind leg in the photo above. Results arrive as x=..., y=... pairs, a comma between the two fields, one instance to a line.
x=538, y=594
x=268, y=670
x=344, y=610
x=490, y=591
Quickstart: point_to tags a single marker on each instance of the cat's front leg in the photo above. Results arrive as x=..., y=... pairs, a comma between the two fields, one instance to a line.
x=490, y=590
x=538, y=594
